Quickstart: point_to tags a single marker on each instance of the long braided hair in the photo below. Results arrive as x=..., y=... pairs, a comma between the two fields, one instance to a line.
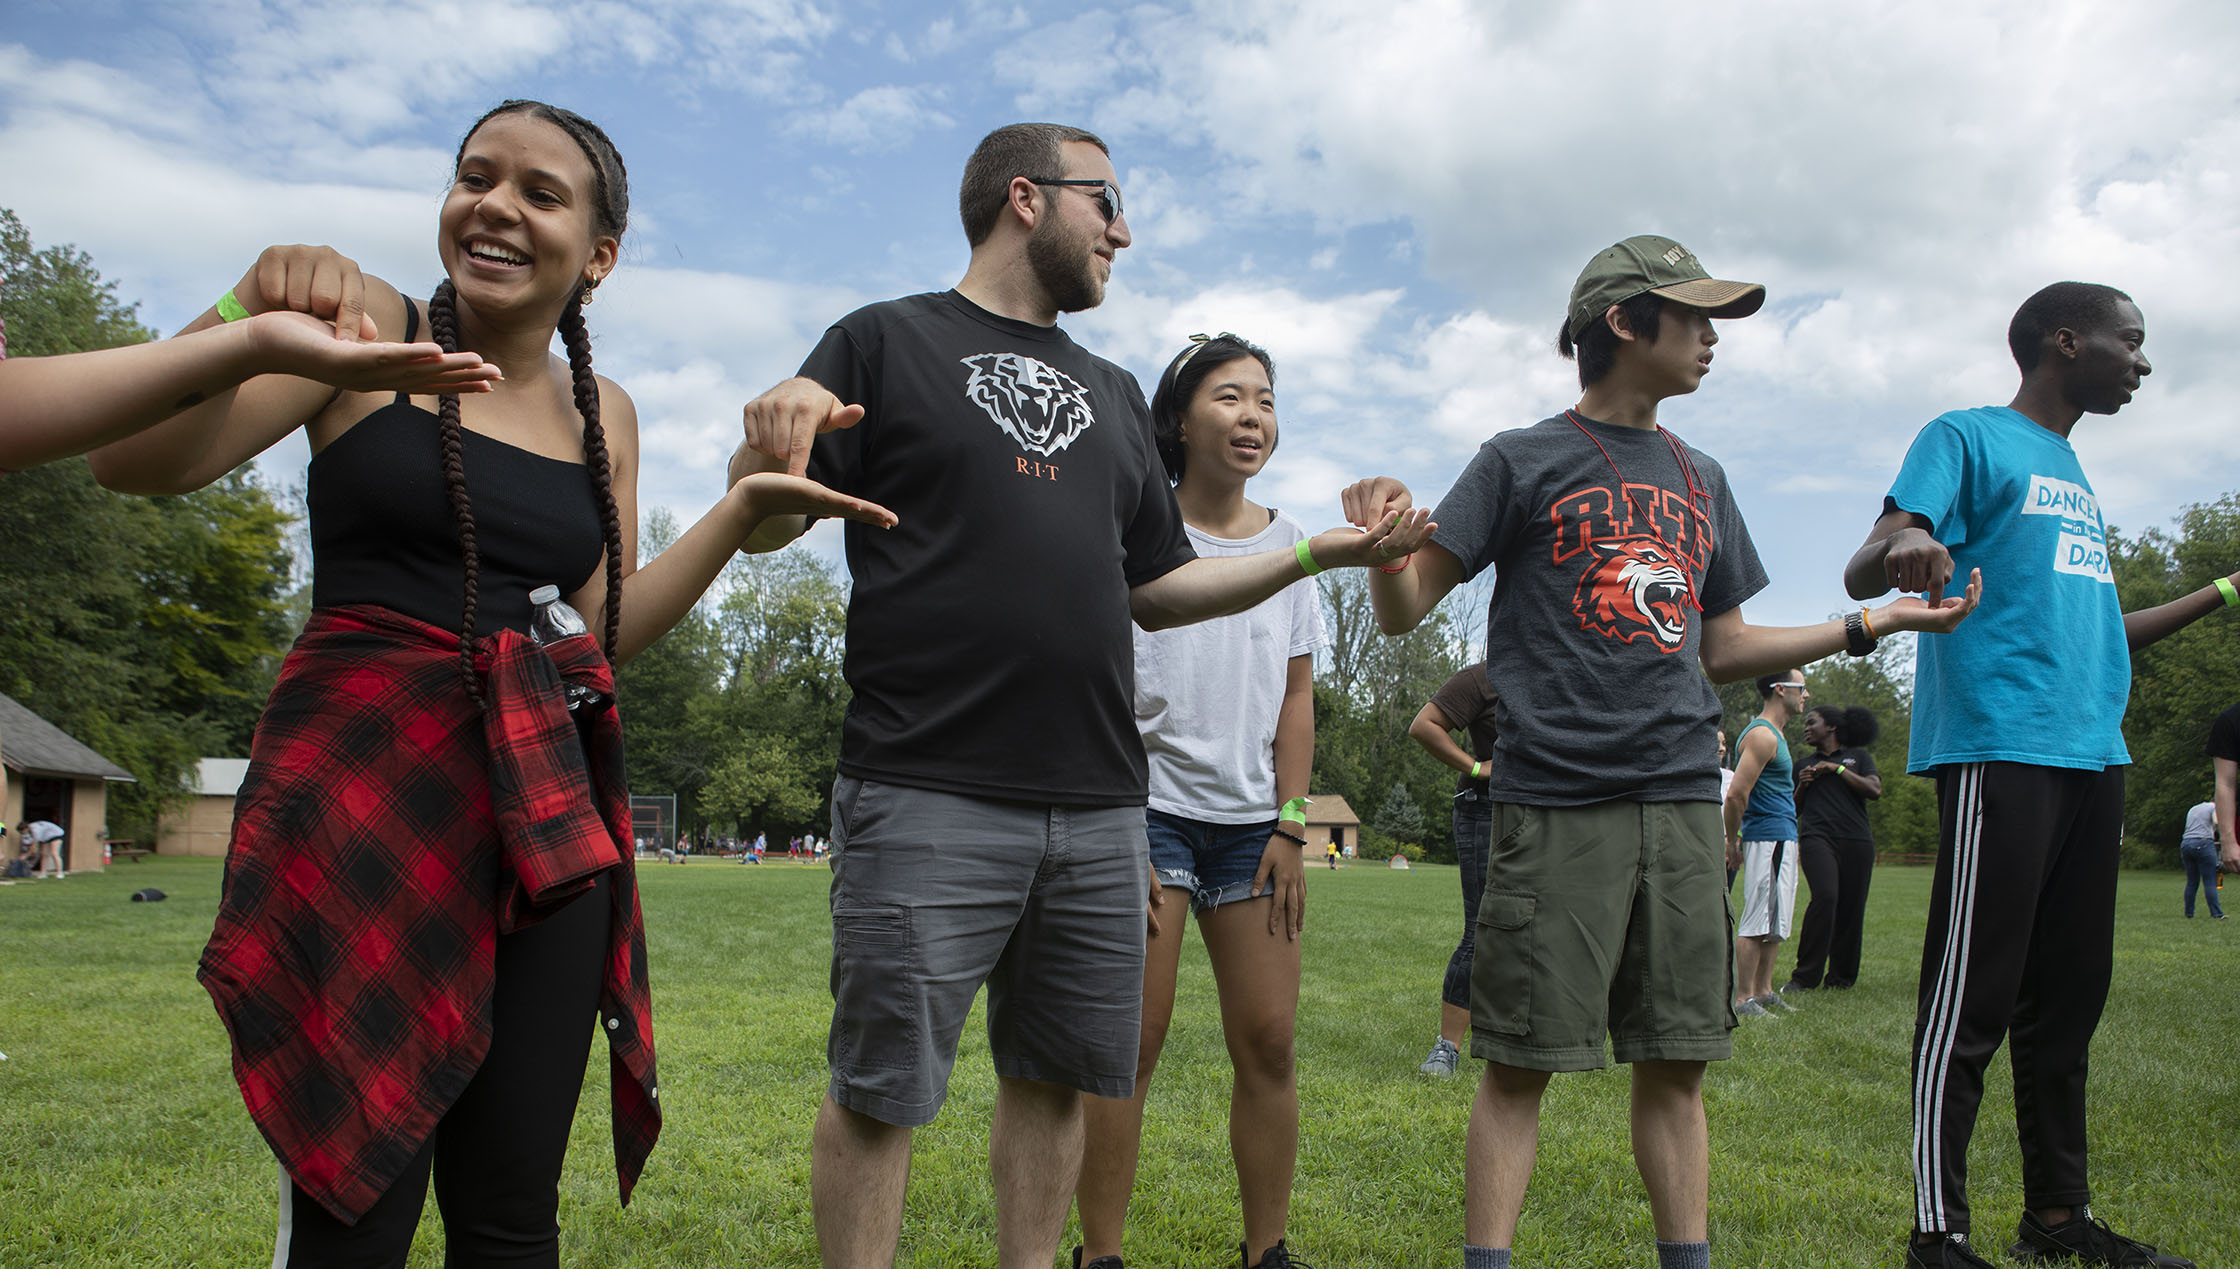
x=610, y=215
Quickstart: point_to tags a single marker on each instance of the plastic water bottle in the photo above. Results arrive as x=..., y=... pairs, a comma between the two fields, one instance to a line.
x=553, y=620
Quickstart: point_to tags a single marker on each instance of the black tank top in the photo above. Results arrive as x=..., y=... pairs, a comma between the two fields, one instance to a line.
x=383, y=532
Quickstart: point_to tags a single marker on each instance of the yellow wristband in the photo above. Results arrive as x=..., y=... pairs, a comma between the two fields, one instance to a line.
x=2231, y=596
x=229, y=308
x=1474, y=768
x=1306, y=557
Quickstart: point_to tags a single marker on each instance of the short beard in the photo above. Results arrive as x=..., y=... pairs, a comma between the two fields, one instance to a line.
x=1070, y=281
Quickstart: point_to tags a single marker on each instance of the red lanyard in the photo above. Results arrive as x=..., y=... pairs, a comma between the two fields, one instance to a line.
x=1687, y=473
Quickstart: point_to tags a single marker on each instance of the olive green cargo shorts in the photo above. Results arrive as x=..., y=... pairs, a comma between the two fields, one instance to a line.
x=1604, y=919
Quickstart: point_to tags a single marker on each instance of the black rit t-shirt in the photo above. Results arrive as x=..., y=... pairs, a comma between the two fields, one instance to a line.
x=990, y=649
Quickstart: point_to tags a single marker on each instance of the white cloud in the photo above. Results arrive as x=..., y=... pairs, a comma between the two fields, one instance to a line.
x=881, y=118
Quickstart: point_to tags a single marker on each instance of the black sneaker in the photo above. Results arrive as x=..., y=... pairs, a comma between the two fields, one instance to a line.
x=1276, y=1257
x=2086, y=1240
x=1950, y=1251
x=1101, y=1262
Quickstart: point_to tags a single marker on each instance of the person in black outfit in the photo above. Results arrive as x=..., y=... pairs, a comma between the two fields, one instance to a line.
x=439, y=521
x=1835, y=844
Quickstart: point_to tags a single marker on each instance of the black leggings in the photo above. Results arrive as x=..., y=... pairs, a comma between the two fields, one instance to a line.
x=496, y=1154
x=1839, y=870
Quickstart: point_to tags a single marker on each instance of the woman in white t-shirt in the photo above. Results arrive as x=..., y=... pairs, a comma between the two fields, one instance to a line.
x=1226, y=709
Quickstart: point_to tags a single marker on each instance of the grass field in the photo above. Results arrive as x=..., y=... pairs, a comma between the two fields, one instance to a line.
x=123, y=1142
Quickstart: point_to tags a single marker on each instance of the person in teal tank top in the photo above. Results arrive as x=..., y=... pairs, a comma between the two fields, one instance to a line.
x=1761, y=808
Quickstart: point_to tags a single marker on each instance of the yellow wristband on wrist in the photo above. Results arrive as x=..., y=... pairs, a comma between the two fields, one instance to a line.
x=2231, y=596
x=229, y=308
x=1306, y=557
x=1295, y=811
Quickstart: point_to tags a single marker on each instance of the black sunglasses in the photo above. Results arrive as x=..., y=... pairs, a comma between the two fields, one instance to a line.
x=1108, y=194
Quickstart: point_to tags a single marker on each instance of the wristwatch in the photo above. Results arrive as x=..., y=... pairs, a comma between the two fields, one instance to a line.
x=1855, y=637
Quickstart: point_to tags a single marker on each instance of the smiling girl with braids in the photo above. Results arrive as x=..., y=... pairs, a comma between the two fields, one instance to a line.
x=425, y=898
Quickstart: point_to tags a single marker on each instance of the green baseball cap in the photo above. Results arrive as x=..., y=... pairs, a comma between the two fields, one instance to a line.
x=1657, y=266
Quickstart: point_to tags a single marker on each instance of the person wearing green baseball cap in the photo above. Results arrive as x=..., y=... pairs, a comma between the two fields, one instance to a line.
x=1621, y=562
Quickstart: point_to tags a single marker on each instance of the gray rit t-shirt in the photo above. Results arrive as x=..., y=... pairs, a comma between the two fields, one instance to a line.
x=1599, y=544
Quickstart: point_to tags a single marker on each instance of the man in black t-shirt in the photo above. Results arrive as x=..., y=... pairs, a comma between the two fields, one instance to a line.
x=988, y=822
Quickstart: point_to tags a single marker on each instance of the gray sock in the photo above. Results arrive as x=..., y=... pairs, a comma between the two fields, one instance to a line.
x=1683, y=1255
x=1484, y=1257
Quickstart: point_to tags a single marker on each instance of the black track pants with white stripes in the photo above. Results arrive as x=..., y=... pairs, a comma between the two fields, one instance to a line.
x=2019, y=946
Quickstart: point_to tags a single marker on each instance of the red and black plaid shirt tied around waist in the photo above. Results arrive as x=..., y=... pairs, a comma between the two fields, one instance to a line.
x=386, y=834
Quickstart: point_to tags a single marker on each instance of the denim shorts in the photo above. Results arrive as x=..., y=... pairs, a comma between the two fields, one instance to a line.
x=1214, y=862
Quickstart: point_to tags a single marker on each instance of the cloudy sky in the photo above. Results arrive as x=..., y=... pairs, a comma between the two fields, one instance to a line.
x=1393, y=198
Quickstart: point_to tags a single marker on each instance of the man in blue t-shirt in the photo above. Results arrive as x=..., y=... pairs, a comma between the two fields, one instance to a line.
x=2022, y=914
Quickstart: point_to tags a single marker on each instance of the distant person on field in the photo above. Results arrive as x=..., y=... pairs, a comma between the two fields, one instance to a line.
x=1620, y=561
x=45, y=838
x=1465, y=703
x=2197, y=847
x=2020, y=942
x=1835, y=844
x=1761, y=814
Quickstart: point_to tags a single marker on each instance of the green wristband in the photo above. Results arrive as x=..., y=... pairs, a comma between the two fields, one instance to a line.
x=2231, y=596
x=1295, y=810
x=1306, y=557
x=229, y=308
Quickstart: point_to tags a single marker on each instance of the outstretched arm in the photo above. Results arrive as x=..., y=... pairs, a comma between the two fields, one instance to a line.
x=1403, y=599
x=2149, y=624
x=1215, y=587
x=1734, y=649
x=656, y=597
x=242, y=413
x=56, y=407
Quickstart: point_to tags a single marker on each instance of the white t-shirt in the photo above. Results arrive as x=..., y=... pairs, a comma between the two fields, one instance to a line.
x=1207, y=695
x=2201, y=822
x=43, y=831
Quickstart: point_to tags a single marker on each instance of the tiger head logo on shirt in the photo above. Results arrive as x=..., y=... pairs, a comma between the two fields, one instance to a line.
x=1037, y=405
x=1634, y=589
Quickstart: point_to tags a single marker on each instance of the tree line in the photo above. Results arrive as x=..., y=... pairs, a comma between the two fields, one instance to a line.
x=152, y=629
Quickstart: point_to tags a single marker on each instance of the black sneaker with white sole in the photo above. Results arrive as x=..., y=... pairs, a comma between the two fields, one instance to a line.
x=2085, y=1239
x=1101, y=1262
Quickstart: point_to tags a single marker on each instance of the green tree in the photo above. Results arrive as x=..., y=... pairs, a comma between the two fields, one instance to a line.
x=150, y=629
x=662, y=692
x=2179, y=685
x=1400, y=818
x=764, y=781
x=1368, y=691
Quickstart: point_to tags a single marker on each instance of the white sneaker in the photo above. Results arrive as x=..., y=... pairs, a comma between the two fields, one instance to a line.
x=1442, y=1060
x=1751, y=1009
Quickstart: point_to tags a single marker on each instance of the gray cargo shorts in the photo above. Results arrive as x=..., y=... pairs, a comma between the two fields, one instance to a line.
x=934, y=894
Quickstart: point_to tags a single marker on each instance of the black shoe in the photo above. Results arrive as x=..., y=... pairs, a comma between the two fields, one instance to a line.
x=1950, y=1251
x=1101, y=1262
x=2085, y=1239
x=1276, y=1257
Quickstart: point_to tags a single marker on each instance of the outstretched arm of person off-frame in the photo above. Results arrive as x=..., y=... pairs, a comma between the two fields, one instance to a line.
x=1901, y=553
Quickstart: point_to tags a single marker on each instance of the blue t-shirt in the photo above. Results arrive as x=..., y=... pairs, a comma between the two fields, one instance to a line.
x=2040, y=673
x=1771, y=813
